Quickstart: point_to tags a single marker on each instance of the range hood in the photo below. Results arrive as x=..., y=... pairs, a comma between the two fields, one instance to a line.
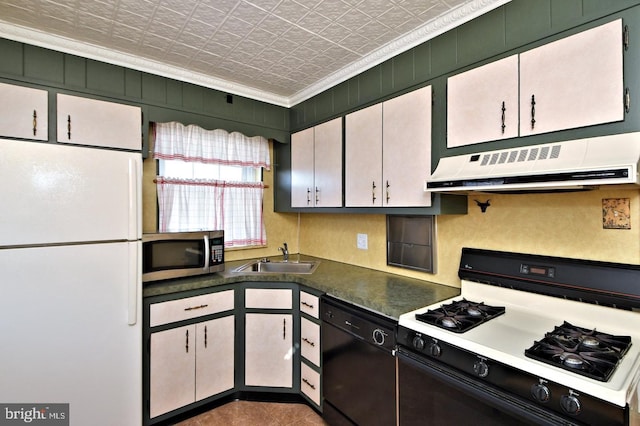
x=563, y=166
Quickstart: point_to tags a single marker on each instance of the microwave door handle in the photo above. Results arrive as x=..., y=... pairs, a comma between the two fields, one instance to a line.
x=207, y=253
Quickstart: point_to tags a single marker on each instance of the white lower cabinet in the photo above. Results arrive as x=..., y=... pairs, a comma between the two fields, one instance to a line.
x=269, y=350
x=310, y=383
x=190, y=363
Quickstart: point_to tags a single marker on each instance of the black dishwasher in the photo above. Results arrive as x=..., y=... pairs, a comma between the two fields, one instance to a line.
x=358, y=365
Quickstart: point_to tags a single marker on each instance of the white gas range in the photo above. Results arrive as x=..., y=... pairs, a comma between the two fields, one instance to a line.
x=513, y=330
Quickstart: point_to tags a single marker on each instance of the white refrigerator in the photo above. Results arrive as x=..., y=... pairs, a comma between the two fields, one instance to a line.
x=70, y=280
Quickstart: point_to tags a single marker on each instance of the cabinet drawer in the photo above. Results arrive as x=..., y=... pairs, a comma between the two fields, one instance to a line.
x=309, y=304
x=310, y=383
x=190, y=307
x=269, y=298
x=310, y=340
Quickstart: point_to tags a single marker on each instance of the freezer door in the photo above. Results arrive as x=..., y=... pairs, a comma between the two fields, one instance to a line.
x=67, y=333
x=55, y=193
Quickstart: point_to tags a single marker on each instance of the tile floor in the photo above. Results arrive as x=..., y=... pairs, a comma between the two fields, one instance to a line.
x=249, y=413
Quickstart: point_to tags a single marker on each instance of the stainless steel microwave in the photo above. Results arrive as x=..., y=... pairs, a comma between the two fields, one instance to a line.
x=181, y=254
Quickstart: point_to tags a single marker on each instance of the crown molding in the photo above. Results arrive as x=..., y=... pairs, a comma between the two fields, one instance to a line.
x=452, y=19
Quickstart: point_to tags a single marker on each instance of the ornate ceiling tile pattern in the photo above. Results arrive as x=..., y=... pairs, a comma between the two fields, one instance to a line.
x=280, y=51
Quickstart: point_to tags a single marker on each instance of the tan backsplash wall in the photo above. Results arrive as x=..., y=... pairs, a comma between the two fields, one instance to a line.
x=568, y=225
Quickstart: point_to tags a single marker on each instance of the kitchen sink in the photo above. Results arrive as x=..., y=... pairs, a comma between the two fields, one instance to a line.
x=278, y=267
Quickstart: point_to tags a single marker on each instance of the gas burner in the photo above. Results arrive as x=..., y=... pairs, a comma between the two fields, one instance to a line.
x=583, y=351
x=460, y=316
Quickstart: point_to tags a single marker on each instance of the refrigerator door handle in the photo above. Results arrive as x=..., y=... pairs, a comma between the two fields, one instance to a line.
x=134, y=281
x=134, y=200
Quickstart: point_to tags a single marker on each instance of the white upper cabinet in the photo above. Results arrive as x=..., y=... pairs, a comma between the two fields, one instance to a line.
x=573, y=82
x=23, y=112
x=482, y=104
x=406, y=149
x=363, y=157
x=388, y=152
x=316, y=166
x=98, y=123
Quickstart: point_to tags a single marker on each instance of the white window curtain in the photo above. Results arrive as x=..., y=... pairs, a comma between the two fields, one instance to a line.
x=193, y=204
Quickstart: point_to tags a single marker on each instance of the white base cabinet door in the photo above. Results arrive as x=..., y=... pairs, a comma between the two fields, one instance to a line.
x=23, y=112
x=269, y=350
x=173, y=363
x=215, y=357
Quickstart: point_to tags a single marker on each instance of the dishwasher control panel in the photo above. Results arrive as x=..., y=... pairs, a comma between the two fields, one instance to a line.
x=367, y=325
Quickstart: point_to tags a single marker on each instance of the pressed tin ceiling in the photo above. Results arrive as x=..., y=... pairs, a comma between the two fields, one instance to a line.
x=277, y=51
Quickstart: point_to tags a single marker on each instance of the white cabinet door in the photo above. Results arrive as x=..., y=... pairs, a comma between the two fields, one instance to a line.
x=328, y=164
x=172, y=365
x=269, y=350
x=406, y=149
x=482, y=104
x=214, y=357
x=576, y=81
x=310, y=341
x=24, y=112
x=302, y=189
x=98, y=123
x=363, y=157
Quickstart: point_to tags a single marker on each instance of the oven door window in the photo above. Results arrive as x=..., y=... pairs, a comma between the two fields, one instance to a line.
x=433, y=394
x=173, y=254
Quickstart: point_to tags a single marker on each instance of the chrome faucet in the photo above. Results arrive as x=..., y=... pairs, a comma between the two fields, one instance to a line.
x=285, y=252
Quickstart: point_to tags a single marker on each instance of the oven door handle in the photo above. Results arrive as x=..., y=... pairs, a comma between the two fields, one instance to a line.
x=488, y=394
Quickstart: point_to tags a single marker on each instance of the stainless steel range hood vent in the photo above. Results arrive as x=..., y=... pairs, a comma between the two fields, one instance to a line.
x=563, y=166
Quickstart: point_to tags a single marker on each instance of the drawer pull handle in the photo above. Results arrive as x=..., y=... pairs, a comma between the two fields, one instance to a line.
x=191, y=308
x=284, y=329
x=306, y=382
x=186, y=345
x=304, y=339
x=35, y=122
x=205, y=337
x=308, y=305
x=69, y=127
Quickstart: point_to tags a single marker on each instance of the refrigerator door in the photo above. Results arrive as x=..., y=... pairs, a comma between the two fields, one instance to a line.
x=67, y=333
x=56, y=193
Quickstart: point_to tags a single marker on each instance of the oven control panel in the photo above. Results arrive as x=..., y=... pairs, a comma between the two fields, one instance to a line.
x=539, y=270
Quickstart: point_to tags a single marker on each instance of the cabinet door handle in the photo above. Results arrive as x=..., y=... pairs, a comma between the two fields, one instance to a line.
x=317, y=195
x=69, y=127
x=503, y=117
x=373, y=192
x=186, y=345
x=284, y=329
x=388, y=192
x=308, y=196
x=35, y=122
x=306, y=382
x=205, y=337
x=533, y=111
x=309, y=342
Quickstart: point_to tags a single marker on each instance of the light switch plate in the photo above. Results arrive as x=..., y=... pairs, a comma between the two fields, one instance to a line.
x=362, y=242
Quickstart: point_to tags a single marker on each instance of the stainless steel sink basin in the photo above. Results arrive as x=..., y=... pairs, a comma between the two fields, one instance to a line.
x=278, y=267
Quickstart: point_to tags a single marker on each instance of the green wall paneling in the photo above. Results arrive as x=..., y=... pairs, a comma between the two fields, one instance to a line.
x=192, y=97
x=154, y=88
x=402, y=69
x=369, y=86
x=75, y=71
x=422, y=62
x=341, y=96
x=566, y=12
x=12, y=56
x=444, y=53
x=324, y=104
x=526, y=21
x=132, y=84
x=481, y=38
x=174, y=93
x=105, y=78
x=43, y=64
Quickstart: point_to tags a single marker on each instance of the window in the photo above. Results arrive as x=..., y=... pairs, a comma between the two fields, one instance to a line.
x=211, y=180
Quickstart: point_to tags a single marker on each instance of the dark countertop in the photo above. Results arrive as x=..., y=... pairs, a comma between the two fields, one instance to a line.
x=382, y=292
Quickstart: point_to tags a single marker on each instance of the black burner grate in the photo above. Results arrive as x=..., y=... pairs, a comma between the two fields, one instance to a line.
x=460, y=316
x=586, y=352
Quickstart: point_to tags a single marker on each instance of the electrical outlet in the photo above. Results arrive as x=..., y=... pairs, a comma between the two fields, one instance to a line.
x=362, y=242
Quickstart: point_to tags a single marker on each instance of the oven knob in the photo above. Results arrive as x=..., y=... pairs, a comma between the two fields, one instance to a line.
x=434, y=349
x=418, y=343
x=481, y=368
x=540, y=392
x=378, y=337
x=570, y=404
